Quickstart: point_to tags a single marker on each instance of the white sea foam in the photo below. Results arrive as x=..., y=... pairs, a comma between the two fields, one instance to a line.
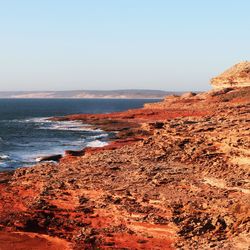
x=39, y=120
x=65, y=126
x=96, y=144
x=40, y=159
x=90, y=137
x=34, y=120
x=4, y=157
x=45, y=123
x=99, y=136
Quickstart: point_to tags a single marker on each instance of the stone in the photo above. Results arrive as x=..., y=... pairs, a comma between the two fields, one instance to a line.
x=74, y=152
x=188, y=95
x=236, y=76
x=55, y=158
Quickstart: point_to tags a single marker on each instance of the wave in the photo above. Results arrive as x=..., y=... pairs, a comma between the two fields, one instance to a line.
x=66, y=127
x=63, y=125
x=70, y=127
x=45, y=123
x=26, y=150
x=4, y=157
x=100, y=136
x=6, y=162
x=35, y=120
x=40, y=159
x=97, y=144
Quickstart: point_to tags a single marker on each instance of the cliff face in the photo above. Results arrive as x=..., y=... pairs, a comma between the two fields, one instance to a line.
x=236, y=76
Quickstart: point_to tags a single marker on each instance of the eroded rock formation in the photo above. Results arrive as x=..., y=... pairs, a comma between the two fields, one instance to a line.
x=236, y=76
x=175, y=176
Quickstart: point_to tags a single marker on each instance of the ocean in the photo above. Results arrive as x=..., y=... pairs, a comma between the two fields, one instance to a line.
x=26, y=134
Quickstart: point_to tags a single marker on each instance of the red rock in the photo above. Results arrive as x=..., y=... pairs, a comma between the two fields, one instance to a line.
x=176, y=176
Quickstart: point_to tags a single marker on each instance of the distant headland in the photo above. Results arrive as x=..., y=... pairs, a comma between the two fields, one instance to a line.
x=103, y=94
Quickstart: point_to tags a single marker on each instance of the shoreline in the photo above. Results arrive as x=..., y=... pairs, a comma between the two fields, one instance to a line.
x=174, y=177
x=93, y=137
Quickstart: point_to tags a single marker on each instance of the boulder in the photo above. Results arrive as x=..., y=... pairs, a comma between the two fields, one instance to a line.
x=74, y=152
x=188, y=95
x=55, y=158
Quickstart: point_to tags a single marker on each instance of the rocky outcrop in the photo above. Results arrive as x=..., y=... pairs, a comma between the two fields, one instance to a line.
x=55, y=158
x=176, y=176
x=237, y=76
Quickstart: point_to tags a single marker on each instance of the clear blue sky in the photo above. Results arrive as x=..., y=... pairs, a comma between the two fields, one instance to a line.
x=119, y=44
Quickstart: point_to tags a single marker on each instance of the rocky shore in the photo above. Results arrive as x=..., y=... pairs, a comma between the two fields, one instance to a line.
x=174, y=176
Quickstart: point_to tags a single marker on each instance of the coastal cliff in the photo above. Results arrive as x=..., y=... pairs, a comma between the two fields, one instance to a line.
x=175, y=176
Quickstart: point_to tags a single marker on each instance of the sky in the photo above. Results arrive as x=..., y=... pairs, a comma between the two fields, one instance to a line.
x=120, y=44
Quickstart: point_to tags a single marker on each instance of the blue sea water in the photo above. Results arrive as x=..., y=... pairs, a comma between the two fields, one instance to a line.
x=26, y=134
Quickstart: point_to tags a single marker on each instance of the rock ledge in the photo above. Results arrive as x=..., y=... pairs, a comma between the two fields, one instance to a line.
x=236, y=76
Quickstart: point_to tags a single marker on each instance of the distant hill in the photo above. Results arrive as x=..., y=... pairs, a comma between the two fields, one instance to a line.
x=105, y=94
